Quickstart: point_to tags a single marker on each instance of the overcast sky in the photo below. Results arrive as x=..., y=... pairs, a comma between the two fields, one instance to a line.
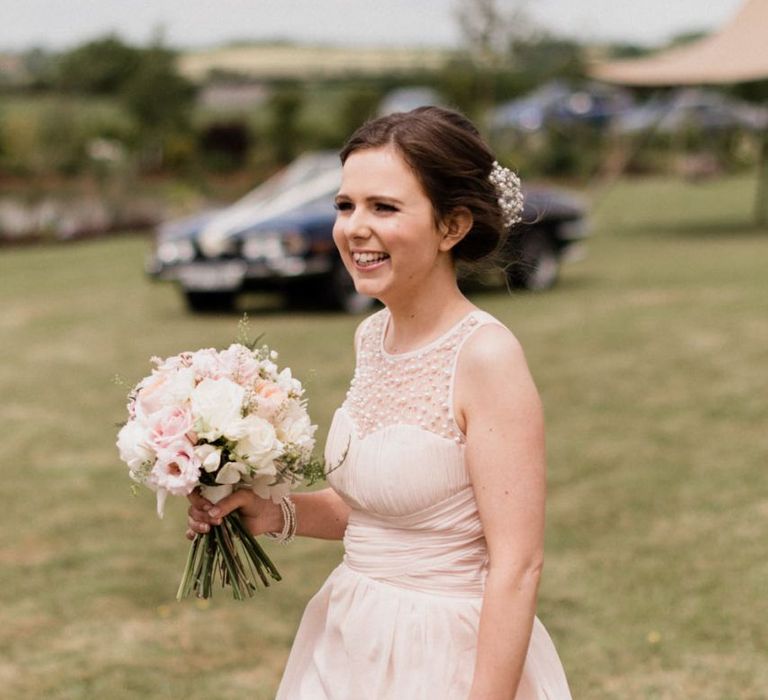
x=188, y=23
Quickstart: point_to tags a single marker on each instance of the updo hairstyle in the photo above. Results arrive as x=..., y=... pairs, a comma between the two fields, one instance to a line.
x=451, y=161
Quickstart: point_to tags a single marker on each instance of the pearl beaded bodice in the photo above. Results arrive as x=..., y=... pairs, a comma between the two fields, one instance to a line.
x=413, y=388
x=394, y=445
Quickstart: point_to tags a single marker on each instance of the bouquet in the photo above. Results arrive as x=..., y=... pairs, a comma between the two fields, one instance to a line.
x=220, y=420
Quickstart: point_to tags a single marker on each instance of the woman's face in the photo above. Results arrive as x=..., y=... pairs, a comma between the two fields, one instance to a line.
x=385, y=228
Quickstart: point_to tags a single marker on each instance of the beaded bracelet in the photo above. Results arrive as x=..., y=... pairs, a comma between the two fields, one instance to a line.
x=286, y=535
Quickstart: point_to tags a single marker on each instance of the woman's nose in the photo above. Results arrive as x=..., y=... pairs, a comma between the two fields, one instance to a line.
x=358, y=224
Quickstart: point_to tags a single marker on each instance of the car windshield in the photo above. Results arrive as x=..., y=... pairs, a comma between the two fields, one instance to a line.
x=304, y=169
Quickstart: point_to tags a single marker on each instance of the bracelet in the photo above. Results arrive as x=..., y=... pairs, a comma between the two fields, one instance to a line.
x=286, y=535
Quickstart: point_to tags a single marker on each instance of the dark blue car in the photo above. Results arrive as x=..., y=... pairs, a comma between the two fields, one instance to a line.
x=278, y=237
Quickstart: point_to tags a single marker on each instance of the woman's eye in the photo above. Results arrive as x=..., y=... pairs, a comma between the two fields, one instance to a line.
x=342, y=206
x=381, y=206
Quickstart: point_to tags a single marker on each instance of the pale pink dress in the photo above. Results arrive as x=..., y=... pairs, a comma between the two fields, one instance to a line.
x=398, y=619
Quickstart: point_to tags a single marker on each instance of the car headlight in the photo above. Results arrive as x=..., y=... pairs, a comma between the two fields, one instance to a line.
x=263, y=247
x=295, y=243
x=170, y=252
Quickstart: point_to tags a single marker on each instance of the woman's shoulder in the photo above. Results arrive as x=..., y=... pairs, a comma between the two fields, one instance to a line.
x=492, y=377
x=492, y=349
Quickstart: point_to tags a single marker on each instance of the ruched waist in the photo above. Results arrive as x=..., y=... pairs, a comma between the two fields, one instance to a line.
x=440, y=550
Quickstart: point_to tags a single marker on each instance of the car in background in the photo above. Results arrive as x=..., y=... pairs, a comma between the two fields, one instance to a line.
x=557, y=105
x=707, y=111
x=279, y=237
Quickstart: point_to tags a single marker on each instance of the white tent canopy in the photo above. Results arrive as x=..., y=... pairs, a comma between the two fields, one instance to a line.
x=737, y=53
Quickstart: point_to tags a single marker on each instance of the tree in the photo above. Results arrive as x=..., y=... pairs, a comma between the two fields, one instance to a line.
x=359, y=103
x=156, y=95
x=490, y=30
x=283, y=128
x=101, y=67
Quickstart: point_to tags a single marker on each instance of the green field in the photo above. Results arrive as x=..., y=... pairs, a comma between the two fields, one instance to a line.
x=651, y=359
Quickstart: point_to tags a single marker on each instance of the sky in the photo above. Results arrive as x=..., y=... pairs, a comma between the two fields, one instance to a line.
x=58, y=24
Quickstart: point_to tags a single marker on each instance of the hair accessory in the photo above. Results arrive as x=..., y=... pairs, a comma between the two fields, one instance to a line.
x=507, y=186
x=288, y=532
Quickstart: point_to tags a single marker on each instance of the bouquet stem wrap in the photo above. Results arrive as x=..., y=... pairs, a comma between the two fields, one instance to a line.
x=228, y=553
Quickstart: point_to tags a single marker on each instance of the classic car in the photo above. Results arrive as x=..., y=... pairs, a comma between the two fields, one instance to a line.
x=278, y=237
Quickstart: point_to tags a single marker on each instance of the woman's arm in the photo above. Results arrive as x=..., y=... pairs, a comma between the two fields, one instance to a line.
x=499, y=409
x=322, y=514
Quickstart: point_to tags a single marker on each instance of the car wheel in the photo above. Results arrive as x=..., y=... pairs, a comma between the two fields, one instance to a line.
x=342, y=292
x=539, y=265
x=208, y=302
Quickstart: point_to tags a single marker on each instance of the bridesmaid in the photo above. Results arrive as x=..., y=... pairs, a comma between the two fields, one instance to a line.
x=420, y=193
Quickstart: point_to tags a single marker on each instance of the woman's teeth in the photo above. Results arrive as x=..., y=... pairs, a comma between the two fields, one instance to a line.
x=368, y=258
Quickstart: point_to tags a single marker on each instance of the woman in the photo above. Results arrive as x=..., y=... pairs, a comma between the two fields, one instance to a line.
x=439, y=496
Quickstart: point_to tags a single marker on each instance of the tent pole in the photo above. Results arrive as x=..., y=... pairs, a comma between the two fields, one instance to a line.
x=761, y=199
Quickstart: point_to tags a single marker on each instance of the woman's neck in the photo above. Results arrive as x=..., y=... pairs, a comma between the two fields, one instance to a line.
x=418, y=319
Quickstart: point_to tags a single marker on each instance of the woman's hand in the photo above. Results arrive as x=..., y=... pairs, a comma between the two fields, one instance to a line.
x=259, y=515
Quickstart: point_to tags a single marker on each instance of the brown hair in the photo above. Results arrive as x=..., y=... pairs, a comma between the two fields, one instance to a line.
x=452, y=163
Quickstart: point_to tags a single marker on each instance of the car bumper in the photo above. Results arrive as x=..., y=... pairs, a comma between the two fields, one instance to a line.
x=234, y=275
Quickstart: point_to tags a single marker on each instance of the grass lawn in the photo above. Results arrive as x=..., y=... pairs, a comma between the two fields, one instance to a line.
x=650, y=357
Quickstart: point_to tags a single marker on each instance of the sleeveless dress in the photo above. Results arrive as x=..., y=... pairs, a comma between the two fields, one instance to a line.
x=398, y=618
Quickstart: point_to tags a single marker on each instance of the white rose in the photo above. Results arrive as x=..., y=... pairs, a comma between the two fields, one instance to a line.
x=231, y=473
x=258, y=445
x=287, y=383
x=296, y=428
x=216, y=405
x=209, y=456
x=133, y=446
x=269, y=369
x=206, y=363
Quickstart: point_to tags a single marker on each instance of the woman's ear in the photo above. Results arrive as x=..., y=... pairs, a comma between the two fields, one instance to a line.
x=454, y=227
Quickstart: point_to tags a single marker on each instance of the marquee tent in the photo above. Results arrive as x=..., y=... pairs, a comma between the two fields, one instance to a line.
x=737, y=53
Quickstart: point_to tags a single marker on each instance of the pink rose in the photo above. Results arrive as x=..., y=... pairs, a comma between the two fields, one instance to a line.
x=170, y=425
x=207, y=363
x=240, y=364
x=269, y=399
x=177, y=469
x=161, y=389
x=174, y=362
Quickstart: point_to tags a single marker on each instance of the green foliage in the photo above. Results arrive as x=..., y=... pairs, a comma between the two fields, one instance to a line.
x=282, y=132
x=463, y=85
x=548, y=58
x=40, y=67
x=99, y=67
x=574, y=151
x=51, y=134
x=156, y=95
x=755, y=91
x=358, y=104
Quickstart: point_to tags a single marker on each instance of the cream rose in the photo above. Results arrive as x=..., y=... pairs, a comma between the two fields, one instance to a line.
x=134, y=447
x=258, y=445
x=296, y=428
x=217, y=405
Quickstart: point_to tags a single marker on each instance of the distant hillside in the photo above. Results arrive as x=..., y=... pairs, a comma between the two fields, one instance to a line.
x=287, y=61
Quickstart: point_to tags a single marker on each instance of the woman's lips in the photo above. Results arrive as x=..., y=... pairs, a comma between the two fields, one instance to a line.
x=369, y=260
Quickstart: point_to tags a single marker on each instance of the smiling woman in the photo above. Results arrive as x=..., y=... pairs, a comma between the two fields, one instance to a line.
x=439, y=487
x=385, y=228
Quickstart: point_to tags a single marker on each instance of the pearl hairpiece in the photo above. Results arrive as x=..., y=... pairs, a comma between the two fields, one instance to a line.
x=507, y=186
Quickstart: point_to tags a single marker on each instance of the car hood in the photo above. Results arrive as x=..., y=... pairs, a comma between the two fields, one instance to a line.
x=552, y=203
